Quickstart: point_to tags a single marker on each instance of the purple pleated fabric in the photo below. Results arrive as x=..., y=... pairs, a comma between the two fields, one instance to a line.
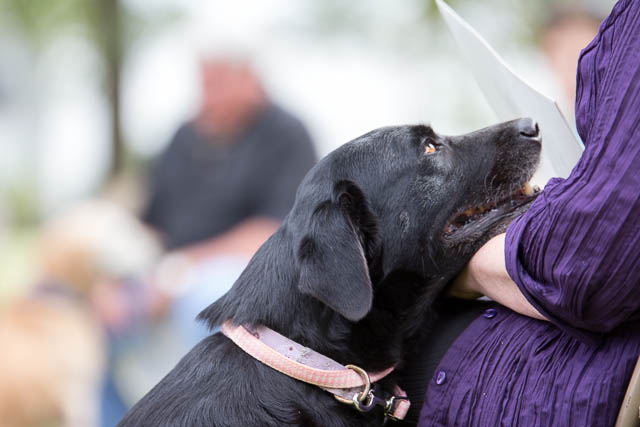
x=575, y=255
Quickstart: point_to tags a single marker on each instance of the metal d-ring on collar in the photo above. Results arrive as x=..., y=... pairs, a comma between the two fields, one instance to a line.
x=365, y=400
x=361, y=396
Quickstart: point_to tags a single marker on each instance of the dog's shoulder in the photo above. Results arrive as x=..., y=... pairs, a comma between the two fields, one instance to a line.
x=178, y=392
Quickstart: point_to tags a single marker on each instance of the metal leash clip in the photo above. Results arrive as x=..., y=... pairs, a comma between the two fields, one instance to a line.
x=389, y=409
x=366, y=400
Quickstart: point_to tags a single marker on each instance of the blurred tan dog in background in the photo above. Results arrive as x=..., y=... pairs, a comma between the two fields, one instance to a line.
x=52, y=339
x=51, y=364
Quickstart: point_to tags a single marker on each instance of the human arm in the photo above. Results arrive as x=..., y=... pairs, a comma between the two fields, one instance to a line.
x=487, y=275
x=574, y=254
x=242, y=239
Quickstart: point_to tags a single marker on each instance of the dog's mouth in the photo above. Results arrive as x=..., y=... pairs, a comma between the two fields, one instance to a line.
x=480, y=217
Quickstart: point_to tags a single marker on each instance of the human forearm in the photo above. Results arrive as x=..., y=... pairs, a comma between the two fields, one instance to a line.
x=244, y=239
x=486, y=274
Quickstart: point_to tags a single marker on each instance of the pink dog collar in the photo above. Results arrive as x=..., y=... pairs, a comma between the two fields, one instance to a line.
x=304, y=364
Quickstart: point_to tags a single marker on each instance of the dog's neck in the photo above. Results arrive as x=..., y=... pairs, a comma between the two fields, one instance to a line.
x=267, y=294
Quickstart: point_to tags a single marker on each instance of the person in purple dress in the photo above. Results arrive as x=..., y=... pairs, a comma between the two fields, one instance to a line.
x=561, y=348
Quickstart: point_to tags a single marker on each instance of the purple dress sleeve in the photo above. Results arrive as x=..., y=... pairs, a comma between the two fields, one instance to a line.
x=575, y=254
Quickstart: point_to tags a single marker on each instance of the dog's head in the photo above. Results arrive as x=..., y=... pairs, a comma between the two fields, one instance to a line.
x=396, y=199
x=406, y=198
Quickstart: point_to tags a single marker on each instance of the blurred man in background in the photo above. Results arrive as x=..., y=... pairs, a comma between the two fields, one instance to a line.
x=219, y=190
x=228, y=176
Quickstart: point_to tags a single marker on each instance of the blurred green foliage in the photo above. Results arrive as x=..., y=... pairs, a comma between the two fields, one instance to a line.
x=21, y=197
x=107, y=24
x=40, y=20
x=111, y=30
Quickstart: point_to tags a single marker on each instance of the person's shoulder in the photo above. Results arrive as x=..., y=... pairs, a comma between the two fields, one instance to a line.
x=185, y=131
x=621, y=9
x=278, y=117
x=184, y=135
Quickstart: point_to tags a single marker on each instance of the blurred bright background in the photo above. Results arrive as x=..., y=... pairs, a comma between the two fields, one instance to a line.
x=92, y=91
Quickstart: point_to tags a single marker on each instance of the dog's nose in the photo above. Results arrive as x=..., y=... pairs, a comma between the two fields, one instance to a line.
x=528, y=127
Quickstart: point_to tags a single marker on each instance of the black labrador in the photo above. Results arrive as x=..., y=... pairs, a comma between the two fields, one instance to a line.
x=378, y=229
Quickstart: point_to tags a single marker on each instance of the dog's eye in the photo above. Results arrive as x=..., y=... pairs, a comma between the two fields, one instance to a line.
x=430, y=148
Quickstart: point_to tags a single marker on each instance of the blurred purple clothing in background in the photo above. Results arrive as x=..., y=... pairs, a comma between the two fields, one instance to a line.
x=576, y=257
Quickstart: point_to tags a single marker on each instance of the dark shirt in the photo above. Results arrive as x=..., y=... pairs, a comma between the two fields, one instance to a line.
x=201, y=188
x=575, y=255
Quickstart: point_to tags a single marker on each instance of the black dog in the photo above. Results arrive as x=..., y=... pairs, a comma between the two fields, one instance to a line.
x=378, y=229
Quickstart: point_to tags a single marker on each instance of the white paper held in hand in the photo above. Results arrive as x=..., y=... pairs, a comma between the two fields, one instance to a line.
x=510, y=98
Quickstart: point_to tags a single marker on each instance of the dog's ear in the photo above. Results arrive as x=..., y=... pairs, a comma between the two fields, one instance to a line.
x=333, y=253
